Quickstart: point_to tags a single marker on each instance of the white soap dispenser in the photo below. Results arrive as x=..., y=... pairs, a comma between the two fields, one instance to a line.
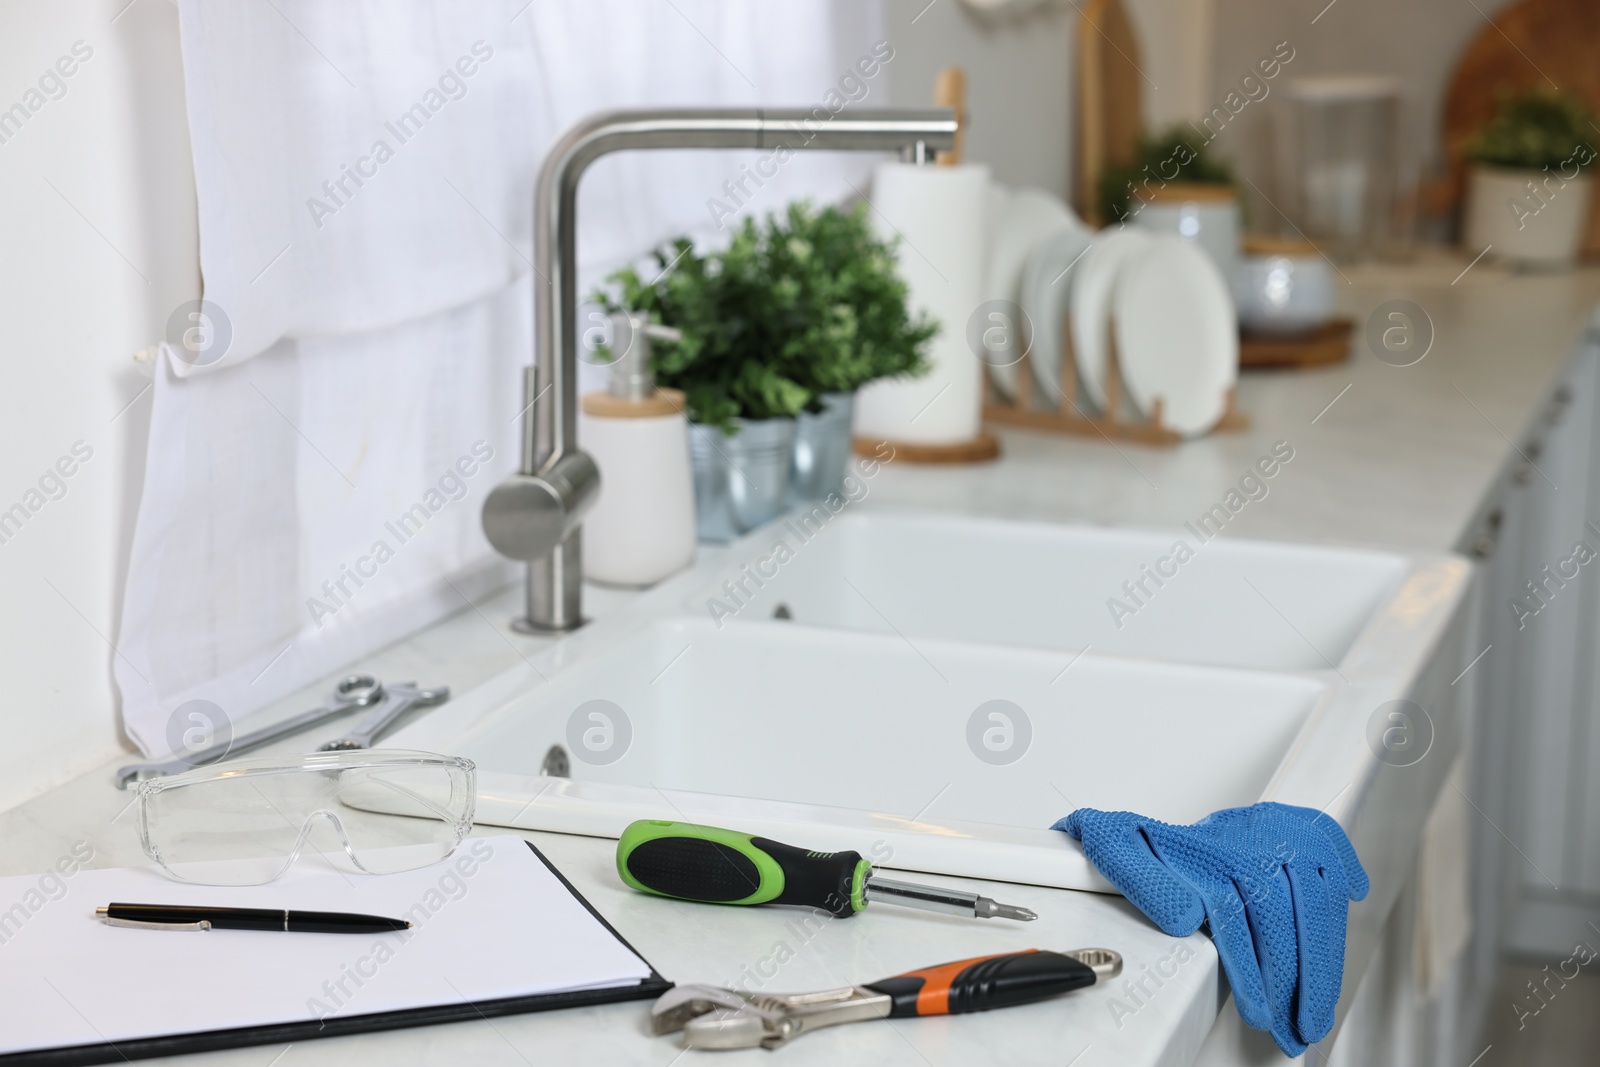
x=641, y=528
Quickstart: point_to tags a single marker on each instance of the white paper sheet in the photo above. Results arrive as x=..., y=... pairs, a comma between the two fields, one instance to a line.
x=490, y=922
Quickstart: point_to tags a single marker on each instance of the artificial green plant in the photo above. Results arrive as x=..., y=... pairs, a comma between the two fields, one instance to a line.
x=1535, y=130
x=798, y=305
x=1178, y=155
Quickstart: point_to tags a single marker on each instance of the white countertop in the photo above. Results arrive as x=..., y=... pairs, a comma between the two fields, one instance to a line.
x=1402, y=459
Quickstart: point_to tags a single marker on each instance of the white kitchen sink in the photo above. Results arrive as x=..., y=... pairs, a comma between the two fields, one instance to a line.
x=871, y=724
x=1240, y=603
x=931, y=702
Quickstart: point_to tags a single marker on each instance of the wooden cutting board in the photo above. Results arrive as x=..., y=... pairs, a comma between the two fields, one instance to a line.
x=1110, y=98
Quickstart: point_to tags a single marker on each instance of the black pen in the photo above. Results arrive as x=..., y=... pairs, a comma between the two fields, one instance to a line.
x=185, y=917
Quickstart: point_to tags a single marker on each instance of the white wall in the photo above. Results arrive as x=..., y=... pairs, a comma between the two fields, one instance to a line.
x=1019, y=74
x=1175, y=38
x=1018, y=81
x=97, y=246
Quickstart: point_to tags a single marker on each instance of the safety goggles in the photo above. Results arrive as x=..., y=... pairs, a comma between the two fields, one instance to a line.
x=246, y=822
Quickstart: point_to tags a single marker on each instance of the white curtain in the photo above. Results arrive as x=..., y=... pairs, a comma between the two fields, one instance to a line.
x=327, y=424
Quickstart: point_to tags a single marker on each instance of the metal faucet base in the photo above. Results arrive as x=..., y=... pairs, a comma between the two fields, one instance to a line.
x=524, y=625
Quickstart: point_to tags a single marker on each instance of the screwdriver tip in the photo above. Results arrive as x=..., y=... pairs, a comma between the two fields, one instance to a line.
x=988, y=908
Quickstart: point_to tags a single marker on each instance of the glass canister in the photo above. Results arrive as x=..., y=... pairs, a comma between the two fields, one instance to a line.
x=1339, y=160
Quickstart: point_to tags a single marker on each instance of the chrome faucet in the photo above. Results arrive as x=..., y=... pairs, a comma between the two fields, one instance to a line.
x=535, y=514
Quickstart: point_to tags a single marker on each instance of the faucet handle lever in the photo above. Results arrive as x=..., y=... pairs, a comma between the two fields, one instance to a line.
x=526, y=516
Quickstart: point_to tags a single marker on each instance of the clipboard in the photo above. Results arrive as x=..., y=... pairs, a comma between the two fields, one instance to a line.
x=651, y=985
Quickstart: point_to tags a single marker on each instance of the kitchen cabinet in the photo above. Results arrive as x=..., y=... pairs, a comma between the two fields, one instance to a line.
x=1530, y=701
x=1536, y=758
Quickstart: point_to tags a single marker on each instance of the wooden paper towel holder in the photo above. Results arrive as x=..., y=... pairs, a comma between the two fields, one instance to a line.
x=980, y=449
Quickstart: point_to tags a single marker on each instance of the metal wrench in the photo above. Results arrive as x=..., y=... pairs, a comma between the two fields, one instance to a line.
x=714, y=1018
x=399, y=699
x=354, y=691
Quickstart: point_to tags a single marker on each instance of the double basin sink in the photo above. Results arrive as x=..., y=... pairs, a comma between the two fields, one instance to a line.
x=935, y=691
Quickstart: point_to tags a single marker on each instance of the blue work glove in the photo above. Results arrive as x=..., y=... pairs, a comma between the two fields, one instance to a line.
x=1274, y=882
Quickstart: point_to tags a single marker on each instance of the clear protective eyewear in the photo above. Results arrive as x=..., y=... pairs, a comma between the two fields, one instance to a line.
x=247, y=821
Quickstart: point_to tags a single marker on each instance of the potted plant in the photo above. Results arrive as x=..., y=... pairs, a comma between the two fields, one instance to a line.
x=1174, y=185
x=782, y=326
x=1528, y=187
x=1175, y=157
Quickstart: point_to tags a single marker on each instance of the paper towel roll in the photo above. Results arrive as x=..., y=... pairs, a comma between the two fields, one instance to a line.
x=938, y=215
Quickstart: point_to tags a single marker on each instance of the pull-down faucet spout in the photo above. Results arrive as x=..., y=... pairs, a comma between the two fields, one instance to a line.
x=535, y=514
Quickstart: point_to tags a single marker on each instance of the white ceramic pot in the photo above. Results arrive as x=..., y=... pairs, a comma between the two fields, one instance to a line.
x=1283, y=287
x=1206, y=214
x=1528, y=216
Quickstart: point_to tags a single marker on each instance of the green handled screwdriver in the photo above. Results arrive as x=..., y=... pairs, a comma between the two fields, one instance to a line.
x=716, y=866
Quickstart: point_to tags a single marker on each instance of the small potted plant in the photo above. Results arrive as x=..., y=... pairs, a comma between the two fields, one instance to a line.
x=1176, y=158
x=779, y=331
x=1529, y=184
x=1174, y=185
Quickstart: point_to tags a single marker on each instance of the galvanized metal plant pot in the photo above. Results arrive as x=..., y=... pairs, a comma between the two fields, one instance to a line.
x=822, y=449
x=740, y=481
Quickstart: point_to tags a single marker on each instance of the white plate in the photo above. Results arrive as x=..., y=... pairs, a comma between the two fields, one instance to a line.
x=1046, y=293
x=1019, y=220
x=1177, y=334
x=1091, y=304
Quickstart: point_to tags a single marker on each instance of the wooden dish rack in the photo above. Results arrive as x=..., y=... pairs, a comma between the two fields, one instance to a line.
x=1118, y=420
